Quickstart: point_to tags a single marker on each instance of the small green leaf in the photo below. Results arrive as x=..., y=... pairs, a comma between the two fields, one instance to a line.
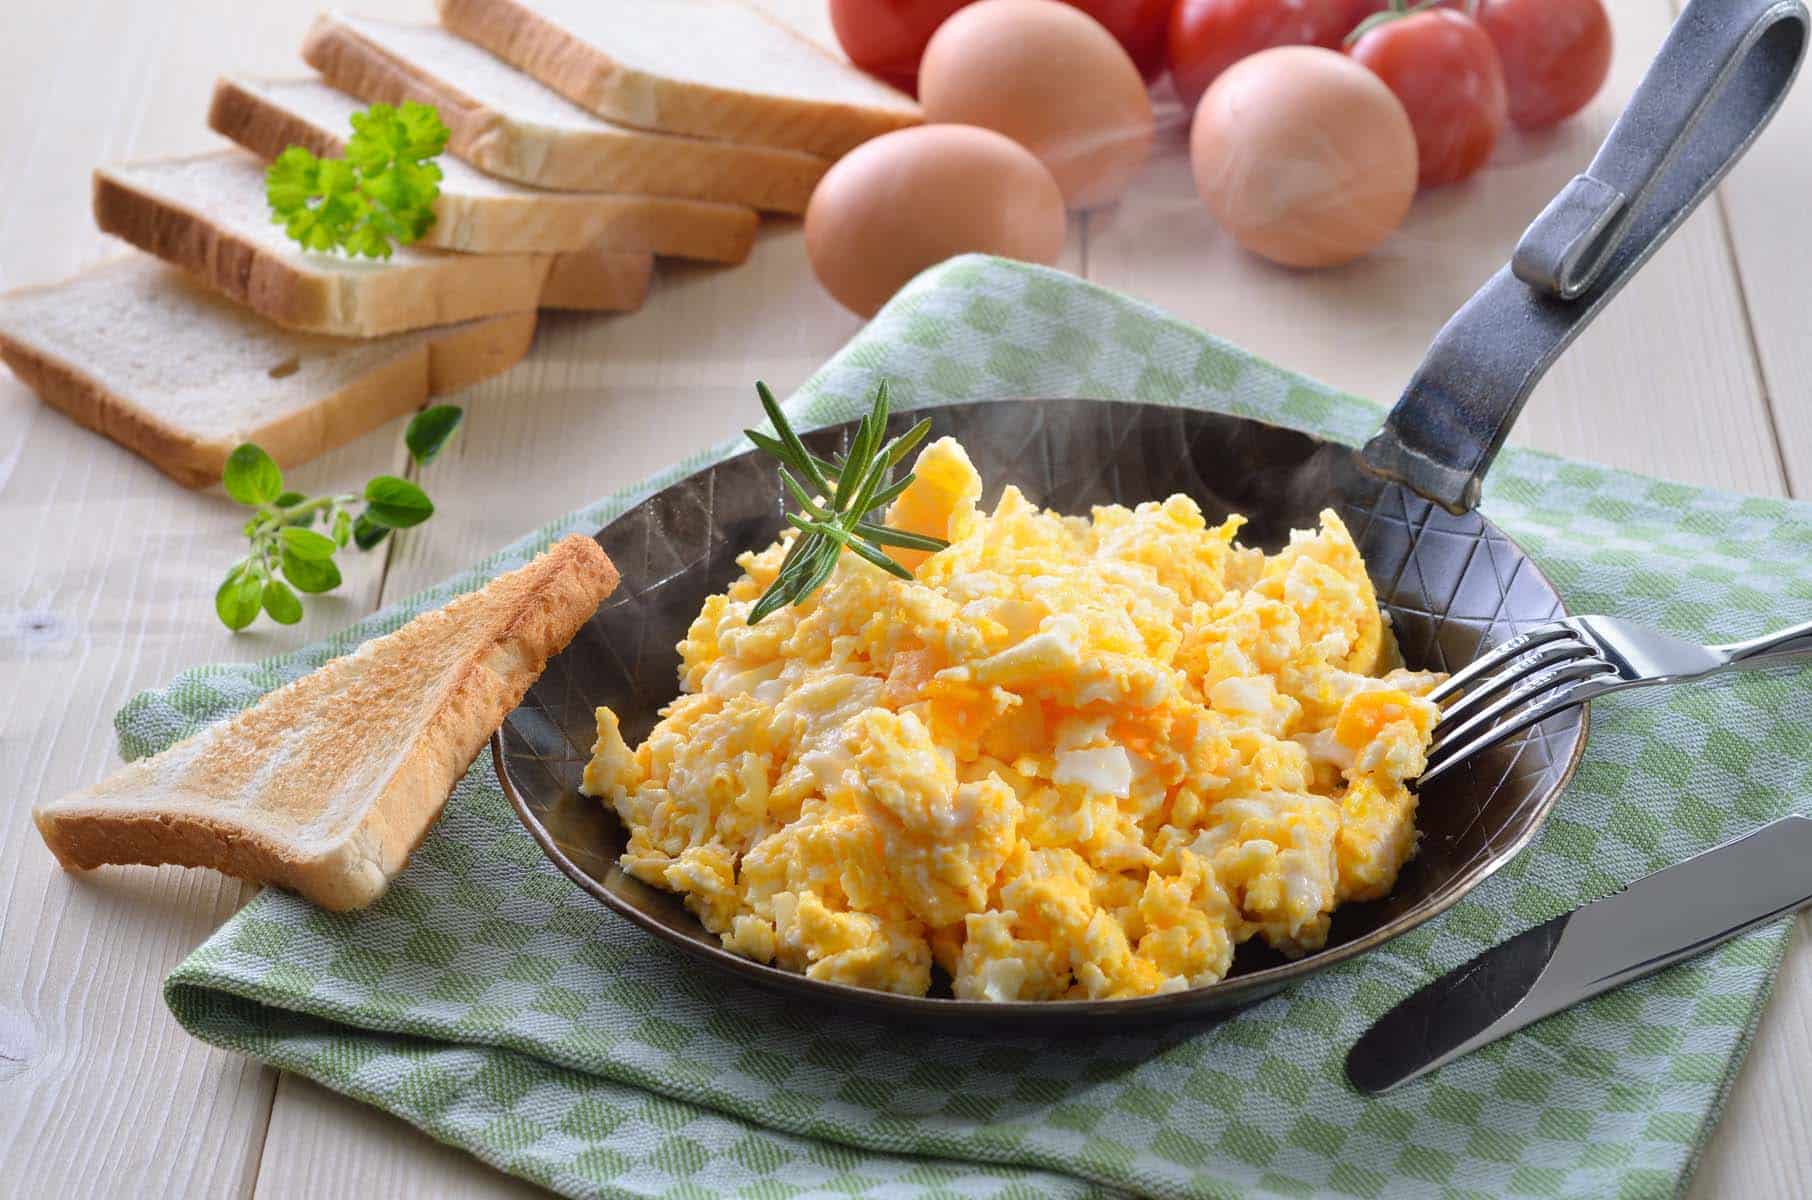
x=429, y=430
x=252, y=476
x=291, y=181
x=311, y=575
x=396, y=503
x=342, y=527
x=367, y=533
x=237, y=600
x=288, y=499
x=281, y=603
x=306, y=543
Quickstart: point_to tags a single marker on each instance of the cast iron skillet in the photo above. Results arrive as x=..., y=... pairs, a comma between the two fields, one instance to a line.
x=1453, y=583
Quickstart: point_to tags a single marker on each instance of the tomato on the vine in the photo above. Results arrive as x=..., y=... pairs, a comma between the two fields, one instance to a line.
x=1445, y=70
x=887, y=37
x=1556, y=54
x=1208, y=36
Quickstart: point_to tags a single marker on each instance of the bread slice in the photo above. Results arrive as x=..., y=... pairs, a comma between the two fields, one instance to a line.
x=475, y=212
x=711, y=68
x=598, y=280
x=208, y=214
x=505, y=123
x=327, y=785
x=178, y=374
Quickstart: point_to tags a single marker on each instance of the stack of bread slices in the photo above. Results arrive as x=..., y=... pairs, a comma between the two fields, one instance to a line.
x=587, y=137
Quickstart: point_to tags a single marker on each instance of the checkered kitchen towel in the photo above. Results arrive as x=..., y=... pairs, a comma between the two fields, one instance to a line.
x=489, y=1002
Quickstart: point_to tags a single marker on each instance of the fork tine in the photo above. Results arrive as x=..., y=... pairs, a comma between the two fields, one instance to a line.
x=1514, y=671
x=1537, y=710
x=1507, y=650
x=1543, y=680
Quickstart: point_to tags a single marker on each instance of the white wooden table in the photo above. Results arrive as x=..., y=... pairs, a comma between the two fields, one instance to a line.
x=1698, y=373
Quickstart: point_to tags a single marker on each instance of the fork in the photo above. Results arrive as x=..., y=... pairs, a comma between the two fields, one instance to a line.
x=1555, y=666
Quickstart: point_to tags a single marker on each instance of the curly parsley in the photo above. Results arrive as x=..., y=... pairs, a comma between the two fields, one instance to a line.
x=382, y=191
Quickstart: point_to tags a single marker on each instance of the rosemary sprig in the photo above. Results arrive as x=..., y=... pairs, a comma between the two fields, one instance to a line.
x=835, y=498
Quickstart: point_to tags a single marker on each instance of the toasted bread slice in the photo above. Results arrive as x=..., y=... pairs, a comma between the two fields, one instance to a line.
x=711, y=68
x=475, y=212
x=507, y=124
x=180, y=375
x=326, y=785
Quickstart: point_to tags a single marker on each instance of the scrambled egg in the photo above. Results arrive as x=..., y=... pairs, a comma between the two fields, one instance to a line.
x=1076, y=757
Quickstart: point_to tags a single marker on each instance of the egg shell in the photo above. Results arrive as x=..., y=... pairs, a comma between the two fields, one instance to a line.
x=908, y=200
x=1305, y=157
x=1054, y=80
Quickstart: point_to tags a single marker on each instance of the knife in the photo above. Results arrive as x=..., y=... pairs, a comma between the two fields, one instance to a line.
x=1675, y=913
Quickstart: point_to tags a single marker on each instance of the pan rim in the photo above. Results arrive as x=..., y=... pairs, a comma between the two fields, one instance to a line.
x=1224, y=993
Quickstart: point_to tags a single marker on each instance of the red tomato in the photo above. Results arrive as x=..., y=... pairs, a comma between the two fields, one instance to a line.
x=1138, y=25
x=1208, y=36
x=1445, y=70
x=887, y=37
x=1556, y=54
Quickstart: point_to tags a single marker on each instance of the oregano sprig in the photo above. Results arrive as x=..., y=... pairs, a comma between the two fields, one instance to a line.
x=382, y=191
x=294, y=537
x=847, y=490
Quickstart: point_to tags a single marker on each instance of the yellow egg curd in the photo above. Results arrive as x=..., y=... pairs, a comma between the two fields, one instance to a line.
x=1074, y=757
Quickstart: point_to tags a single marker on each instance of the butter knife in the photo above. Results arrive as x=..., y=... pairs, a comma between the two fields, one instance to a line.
x=1673, y=914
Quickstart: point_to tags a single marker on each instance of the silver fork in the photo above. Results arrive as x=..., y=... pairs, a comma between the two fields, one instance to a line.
x=1536, y=674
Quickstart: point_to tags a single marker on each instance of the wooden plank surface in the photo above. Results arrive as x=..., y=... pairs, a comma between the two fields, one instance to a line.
x=1695, y=374
x=108, y=588
x=1764, y=1146
x=1763, y=204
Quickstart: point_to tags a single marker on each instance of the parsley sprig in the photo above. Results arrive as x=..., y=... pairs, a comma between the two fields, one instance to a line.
x=842, y=494
x=282, y=530
x=382, y=191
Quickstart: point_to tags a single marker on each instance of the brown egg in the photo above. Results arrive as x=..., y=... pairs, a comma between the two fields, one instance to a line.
x=1304, y=156
x=1050, y=77
x=910, y=199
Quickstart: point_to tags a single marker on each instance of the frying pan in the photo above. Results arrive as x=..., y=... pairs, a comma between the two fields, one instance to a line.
x=1452, y=582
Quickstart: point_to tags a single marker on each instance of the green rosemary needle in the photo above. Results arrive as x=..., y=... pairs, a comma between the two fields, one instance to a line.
x=835, y=498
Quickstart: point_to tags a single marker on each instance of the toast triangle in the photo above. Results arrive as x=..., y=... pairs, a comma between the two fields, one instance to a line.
x=327, y=784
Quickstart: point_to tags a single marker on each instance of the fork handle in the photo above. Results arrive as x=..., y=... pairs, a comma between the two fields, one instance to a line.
x=1793, y=642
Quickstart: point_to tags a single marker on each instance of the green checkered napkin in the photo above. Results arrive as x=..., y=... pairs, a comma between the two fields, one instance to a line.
x=488, y=1001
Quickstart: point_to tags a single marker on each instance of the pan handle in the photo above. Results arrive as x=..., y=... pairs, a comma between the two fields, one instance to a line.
x=1723, y=70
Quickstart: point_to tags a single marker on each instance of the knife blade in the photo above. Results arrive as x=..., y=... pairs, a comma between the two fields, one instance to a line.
x=1673, y=914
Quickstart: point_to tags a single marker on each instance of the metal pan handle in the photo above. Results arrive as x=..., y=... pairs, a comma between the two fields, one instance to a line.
x=1723, y=70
